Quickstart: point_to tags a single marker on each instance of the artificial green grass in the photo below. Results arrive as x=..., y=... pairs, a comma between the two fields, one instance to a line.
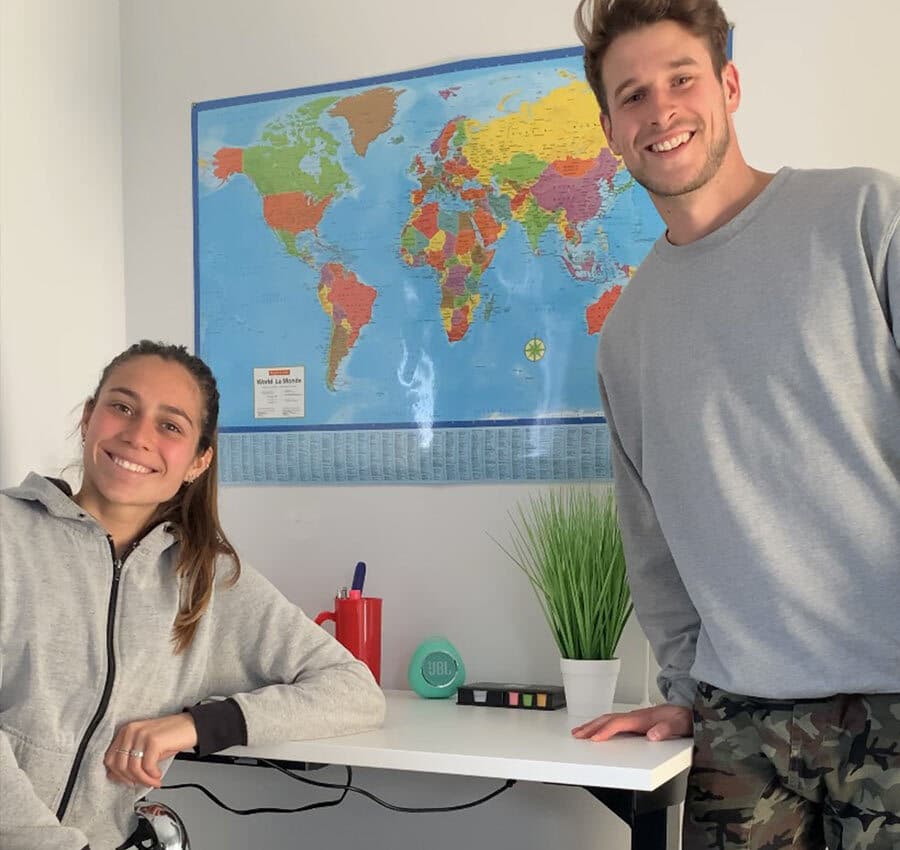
x=568, y=544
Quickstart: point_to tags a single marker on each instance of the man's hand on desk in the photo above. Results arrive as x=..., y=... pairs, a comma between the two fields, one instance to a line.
x=658, y=723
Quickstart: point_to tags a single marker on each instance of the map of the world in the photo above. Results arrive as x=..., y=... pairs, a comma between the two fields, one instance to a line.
x=403, y=278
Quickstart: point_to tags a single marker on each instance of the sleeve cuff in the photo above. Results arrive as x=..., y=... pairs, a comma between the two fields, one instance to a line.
x=678, y=691
x=220, y=724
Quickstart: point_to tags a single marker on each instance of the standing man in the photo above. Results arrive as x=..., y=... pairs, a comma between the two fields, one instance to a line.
x=750, y=374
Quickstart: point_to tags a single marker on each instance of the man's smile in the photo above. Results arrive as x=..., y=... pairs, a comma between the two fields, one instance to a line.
x=671, y=143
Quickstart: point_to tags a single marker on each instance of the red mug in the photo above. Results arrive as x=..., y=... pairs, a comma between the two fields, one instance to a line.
x=357, y=625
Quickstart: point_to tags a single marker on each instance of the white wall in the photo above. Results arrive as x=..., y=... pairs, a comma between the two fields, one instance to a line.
x=62, y=293
x=819, y=82
x=817, y=92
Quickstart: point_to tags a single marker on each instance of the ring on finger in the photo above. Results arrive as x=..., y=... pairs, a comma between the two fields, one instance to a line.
x=122, y=750
x=136, y=754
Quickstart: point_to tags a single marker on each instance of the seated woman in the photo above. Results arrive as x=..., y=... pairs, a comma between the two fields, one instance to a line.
x=124, y=607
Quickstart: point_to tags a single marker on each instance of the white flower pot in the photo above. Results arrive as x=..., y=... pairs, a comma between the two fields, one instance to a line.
x=590, y=686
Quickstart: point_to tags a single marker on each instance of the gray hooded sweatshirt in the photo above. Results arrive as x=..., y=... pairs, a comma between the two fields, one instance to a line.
x=85, y=647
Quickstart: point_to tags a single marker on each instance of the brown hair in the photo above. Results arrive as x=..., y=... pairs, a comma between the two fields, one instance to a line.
x=193, y=512
x=600, y=22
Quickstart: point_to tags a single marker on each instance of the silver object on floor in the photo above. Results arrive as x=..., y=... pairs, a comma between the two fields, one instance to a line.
x=168, y=829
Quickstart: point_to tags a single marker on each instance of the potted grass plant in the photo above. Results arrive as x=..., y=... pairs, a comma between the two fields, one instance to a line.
x=568, y=544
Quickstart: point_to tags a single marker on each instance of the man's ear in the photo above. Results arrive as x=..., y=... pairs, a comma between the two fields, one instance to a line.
x=731, y=87
x=606, y=124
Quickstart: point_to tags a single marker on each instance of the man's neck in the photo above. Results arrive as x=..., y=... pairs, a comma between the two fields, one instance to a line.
x=695, y=215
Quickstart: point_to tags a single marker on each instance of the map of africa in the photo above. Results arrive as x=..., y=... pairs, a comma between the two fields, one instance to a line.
x=433, y=254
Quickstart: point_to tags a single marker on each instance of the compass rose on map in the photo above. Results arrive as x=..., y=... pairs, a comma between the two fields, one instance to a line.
x=535, y=349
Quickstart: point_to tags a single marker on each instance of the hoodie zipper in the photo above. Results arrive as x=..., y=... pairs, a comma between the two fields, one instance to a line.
x=110, y=677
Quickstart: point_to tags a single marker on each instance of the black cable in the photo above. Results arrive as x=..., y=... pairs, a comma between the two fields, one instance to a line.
x=345, y=788
x=425, y=809
x=270, y=810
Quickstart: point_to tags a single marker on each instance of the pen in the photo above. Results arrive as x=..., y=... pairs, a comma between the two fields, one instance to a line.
x=359, y=578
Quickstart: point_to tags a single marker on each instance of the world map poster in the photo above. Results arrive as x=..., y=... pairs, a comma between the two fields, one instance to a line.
x=402, y=279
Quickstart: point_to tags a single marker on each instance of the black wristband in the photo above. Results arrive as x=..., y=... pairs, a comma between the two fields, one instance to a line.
x=220, y=724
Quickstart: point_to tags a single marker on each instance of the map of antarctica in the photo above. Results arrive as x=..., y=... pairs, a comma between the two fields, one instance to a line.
x=408, y=256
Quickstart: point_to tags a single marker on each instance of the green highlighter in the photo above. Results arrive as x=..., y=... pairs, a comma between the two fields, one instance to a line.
x=436, y=669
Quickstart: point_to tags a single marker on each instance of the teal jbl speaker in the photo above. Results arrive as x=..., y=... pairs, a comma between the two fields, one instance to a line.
x=436, y=669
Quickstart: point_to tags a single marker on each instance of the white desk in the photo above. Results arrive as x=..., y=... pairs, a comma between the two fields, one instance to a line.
x=636, y=778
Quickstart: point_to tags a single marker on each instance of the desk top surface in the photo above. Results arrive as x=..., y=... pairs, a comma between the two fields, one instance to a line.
x=439, y=736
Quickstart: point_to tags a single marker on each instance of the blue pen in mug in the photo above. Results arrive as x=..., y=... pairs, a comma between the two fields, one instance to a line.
x=357, y=622
x=359, y=579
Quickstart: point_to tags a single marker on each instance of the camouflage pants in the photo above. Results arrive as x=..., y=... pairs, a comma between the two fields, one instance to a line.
x=769, y=773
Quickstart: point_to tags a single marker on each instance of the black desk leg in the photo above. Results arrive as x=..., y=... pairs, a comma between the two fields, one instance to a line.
x=644, y=811
x=650, y=830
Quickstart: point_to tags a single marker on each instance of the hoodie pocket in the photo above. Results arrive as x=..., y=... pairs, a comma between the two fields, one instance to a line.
x=46, y=768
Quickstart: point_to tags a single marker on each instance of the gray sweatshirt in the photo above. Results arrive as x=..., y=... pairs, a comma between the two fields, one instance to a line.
x=63, y=694
x=751, y=381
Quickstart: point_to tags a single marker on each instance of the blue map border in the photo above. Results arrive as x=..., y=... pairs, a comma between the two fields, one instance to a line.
x=267, y=453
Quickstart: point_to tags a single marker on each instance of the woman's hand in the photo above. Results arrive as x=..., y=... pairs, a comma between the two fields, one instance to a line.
x=658, y=723
x=134, y=755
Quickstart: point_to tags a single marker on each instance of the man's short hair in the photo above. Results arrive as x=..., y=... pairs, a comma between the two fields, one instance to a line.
x=600, y=22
